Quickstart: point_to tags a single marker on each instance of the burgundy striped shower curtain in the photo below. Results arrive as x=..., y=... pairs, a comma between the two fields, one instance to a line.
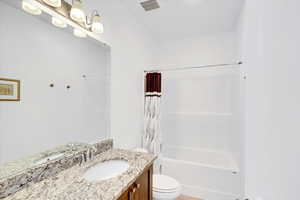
x=152, y=131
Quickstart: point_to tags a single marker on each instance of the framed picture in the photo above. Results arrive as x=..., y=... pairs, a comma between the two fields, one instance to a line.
x=9, y=89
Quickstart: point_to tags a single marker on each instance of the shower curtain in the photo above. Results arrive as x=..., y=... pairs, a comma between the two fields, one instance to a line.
x=152, y=132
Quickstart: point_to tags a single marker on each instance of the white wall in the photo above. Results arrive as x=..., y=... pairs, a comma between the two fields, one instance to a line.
x=198, y=50
x=132, y=50
x=39, y=54
x=269, y=48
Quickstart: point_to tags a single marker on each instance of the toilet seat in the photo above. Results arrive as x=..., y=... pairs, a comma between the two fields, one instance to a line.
x=165, y=183
x=165, y=187
x=167, y=194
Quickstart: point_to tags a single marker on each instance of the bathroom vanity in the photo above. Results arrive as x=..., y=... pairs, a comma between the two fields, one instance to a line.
x=111, y=174
x=141, y=188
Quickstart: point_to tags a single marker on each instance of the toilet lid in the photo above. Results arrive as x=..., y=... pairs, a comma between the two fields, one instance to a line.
x=164, y=183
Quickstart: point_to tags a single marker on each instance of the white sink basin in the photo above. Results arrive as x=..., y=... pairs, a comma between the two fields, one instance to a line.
x=106, y=170
x=49, y=158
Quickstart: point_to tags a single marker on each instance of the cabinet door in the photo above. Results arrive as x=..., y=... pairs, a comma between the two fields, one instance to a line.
x=141, y=189
x=128, y=194
x=143, y=186
x=125, y=196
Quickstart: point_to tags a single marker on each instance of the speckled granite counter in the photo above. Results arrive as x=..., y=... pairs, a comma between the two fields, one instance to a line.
x=70, y=184
x=18, y=166
x=20, y=174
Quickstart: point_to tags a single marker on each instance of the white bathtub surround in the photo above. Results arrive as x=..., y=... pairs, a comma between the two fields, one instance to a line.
x=202, y=132
x=152, y=129
x=201, y=157
x=205, y=174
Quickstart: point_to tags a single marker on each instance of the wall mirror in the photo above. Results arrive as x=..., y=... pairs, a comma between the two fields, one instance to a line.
x=65, y=83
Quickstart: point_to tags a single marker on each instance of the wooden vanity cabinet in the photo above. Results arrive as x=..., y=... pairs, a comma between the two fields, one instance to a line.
x=141, y=189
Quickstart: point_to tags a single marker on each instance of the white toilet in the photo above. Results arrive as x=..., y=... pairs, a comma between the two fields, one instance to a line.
x=164, y=187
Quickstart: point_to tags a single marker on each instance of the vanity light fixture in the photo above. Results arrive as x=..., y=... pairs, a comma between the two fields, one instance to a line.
x=77, y=14
x=65, y=14
x=58, y=22
x=79, y=33
x=53, y=3
x=97, y=26
x=28, y=7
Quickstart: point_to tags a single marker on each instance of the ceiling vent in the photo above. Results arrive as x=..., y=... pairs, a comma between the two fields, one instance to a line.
x=150, y=5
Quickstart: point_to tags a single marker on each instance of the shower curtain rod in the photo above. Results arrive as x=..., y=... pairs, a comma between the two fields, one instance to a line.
x=198, y=67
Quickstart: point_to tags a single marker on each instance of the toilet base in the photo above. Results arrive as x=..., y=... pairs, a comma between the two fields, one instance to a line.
x=166, y=196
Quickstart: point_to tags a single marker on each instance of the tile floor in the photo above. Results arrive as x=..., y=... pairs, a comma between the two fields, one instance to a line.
x=186, y=198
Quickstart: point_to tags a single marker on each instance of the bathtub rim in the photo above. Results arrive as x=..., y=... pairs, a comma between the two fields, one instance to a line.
x=234, y=167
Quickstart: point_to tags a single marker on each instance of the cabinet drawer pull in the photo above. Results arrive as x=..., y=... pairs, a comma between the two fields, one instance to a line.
x=134, y=190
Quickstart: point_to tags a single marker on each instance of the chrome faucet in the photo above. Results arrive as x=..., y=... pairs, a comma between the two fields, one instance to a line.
x=88, y=155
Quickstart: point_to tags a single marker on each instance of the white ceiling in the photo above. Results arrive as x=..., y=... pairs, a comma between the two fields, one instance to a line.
x=183, y=18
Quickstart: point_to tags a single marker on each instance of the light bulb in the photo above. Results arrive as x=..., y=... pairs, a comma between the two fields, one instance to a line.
x=79, y=33
x=28, y=7
x=97, y=26
x=77, y=13
x=53, y=3
x=58, y=22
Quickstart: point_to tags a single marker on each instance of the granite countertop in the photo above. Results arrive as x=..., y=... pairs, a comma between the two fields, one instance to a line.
x=13, y=168
x=70, y=184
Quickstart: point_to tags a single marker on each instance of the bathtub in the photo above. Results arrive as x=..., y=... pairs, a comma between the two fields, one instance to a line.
x=205, y=174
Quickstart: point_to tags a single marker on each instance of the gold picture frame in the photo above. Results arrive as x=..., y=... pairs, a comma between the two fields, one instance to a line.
x=10, y=89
